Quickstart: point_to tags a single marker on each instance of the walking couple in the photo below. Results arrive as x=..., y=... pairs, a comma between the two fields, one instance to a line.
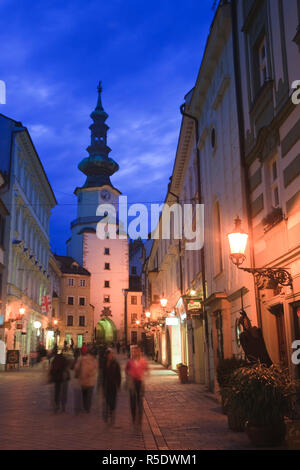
x=135, y=371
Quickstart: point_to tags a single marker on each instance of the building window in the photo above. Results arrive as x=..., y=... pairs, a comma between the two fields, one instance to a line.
x=70, y=320
x=81, y=301
x=133, y=270
x=106, y=284
x=82, y=320
x=70, y=281
x=107, y=266
x=107, y=299
x=79, y=341
x=133, y=317
x=70, y=300
x=106, y=251
x=82, y=283
x=133, y=300
x=262, y=57
x=261, y=63
x=275, y=202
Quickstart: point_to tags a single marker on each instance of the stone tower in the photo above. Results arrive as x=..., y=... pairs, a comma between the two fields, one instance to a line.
x=106, y=259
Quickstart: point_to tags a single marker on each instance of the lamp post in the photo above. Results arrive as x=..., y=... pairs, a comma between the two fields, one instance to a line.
x=238, y=239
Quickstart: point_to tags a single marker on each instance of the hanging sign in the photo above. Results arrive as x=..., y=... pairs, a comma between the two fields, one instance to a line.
x=13, y=356
x=172, y=321
x=46, y=304
x=194, y=304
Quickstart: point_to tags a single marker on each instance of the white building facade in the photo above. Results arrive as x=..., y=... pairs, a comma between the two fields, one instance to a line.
x=30, y=199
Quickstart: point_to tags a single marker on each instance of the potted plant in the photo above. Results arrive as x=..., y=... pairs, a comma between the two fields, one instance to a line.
x=293, y=423
x=262, y=396
x=182, y=372
x=225, y=369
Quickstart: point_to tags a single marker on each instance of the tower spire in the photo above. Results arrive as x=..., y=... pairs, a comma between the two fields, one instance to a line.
x=99, y=102
x=98, y=166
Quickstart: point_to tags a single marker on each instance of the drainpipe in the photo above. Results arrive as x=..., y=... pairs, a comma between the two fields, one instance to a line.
x=179, y=249
x=202, y=254
x=125, y=317
x=182, y=110
x=241, y=126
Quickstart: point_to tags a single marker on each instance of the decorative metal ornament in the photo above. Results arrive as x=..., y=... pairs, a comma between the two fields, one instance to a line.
x=270, y=278
x=106, y=312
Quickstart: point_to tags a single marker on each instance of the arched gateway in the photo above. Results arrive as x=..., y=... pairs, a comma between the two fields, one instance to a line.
x=106, y=331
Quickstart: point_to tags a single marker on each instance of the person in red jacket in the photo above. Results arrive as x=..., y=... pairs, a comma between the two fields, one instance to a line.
x=136, y=368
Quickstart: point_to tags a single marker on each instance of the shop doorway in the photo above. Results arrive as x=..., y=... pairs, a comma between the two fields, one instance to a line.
x=175, y=346
x=278, y=311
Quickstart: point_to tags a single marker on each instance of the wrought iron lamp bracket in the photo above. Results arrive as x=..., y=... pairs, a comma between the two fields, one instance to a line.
x=275, y=276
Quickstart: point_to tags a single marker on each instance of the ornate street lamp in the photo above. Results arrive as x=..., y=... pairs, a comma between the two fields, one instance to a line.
x=238, y=239
x=237, y=242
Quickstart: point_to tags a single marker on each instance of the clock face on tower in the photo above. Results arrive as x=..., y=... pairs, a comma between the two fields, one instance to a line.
x=105, y=195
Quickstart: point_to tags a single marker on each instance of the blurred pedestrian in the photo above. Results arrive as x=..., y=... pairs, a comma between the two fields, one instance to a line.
x=102, y=351
x=118, y=347
x=111, y=385
x=32, y=358
x=86, y=372
x=59, y=374
x=136, y=368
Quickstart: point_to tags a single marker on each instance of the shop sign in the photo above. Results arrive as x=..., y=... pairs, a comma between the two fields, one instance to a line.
x=171, y=321
x=194, y=304
x=13, y=356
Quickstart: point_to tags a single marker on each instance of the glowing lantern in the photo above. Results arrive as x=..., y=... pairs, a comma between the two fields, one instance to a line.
x=238, y=242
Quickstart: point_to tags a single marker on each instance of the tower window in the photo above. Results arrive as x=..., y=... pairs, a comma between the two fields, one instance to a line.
x=106, y=299
x=107, y=266
x=106, y=251
x=106, y=284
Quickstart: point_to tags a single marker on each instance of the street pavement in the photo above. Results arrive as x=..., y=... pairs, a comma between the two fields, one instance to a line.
x=177, y=416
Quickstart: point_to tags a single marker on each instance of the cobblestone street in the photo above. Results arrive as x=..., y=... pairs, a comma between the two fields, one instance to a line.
x=177, y=417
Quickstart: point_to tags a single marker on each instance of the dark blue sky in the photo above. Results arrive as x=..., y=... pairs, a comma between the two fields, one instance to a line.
x=147, y=54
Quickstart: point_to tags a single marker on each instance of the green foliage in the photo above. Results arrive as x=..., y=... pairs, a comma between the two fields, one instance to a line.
x=225, y=369
x=262, y=395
